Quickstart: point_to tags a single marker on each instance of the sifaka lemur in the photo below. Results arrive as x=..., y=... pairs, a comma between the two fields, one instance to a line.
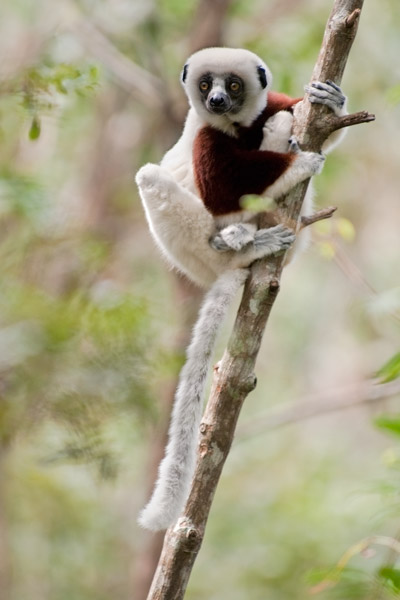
x=236, y=141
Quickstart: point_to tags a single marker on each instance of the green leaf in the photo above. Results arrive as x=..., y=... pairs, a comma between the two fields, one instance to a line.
x=256, y=203
x=390, y=370
x=391, y=424
x=34, y=131
x=392, y=576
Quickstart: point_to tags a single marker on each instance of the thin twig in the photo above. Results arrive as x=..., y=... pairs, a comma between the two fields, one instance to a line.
x=353, y=119
x=324, y=213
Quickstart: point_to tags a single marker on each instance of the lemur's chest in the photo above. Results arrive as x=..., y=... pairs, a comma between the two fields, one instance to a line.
x=219, y=167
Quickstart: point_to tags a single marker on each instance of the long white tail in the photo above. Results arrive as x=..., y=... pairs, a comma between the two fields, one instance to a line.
x=176, y=469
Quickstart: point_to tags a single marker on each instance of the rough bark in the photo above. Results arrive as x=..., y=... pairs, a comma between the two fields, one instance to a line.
x=235, y=378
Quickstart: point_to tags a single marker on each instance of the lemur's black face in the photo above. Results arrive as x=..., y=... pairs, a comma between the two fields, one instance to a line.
x=222, y=94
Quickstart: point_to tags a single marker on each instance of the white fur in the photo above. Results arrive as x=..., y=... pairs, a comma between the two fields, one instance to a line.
x=224, y=60
x=176, y=469
x=182, y=228
x=277, y=131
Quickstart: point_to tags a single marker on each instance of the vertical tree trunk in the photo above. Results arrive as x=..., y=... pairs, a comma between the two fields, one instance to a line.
x=235, y=377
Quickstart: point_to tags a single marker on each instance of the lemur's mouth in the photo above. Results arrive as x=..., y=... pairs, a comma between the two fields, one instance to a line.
x=216, y=110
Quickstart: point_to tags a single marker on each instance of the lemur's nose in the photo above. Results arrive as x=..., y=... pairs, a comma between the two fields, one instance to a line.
x=217, y=100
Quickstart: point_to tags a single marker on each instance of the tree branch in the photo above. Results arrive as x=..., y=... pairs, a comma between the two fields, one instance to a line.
x=234, y=378
x=319, y=215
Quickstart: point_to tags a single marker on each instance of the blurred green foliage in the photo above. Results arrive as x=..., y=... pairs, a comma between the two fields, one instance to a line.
x=391, y=369
x=87, y=315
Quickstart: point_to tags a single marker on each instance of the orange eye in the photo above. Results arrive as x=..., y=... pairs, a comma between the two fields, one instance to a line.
x=204, y=85
x=234, y=86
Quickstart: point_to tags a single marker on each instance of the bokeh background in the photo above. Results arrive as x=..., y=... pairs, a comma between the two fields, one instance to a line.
x=93, y=325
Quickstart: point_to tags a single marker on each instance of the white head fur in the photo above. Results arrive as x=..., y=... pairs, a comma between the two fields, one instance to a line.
x=218, y=66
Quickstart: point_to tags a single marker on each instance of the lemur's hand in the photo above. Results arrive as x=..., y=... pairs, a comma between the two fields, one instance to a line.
x=327, y=93
x=294, y=147
x=310, y=162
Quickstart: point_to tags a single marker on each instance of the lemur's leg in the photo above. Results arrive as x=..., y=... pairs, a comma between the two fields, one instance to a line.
x=167, y=201
x=162, y=194
x=176, y=216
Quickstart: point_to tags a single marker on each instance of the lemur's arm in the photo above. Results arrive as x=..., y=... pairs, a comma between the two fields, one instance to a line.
x=276, y=134
x=237, y=172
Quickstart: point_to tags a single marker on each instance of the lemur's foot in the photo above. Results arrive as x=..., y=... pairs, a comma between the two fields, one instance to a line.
x=327, y=93
x=233, y=237
x=275, y=239
x=153, y=179
x=218, y=243
x=148, y=176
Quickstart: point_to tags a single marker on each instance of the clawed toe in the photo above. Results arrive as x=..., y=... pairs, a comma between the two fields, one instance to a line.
x=276, y=238
x=217, y=243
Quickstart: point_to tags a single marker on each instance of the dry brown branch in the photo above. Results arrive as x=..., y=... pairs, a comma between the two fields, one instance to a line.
x=332, y=123
x=324, y=213
x=358, y=394
x=235, y=377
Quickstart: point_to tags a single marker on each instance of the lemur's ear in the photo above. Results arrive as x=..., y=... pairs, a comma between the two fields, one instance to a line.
x=184, y=73
x=262, y=76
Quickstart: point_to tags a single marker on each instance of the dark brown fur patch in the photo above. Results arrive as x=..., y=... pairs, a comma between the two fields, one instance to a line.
x=251, y=137
x=226, y=168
